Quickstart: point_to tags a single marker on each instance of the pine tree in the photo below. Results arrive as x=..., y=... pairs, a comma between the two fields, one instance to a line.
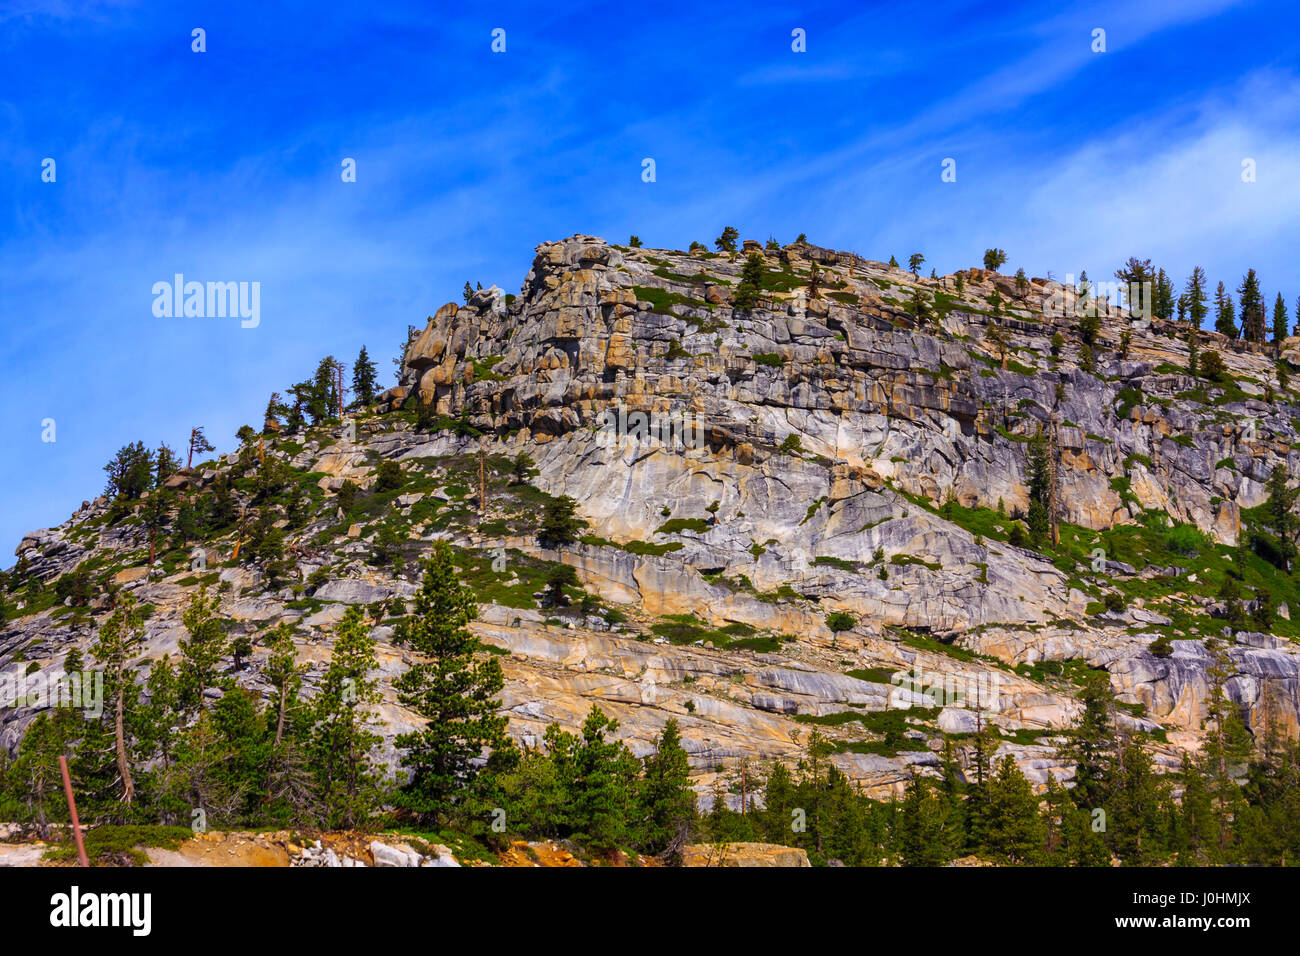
x=202, y=651
x=222, y=510
x=452, y=687
x=1092, y=742
x=952, y=790
x=1280, y=506
x=666, y=800
x=1268, y=828
x=154, y=515
x=34, y=776
x=854, y=834
x=1134, y=805
x=1279, y=319
x=1013, y=831
x=1197, y=834
x=921, y=308
x=1227, y=745
x=779, y=803
x=977, y=796
x=1137, y=275
x=289, y=782
x=363, y=379
x=155, y=717
x=324, y=400
x=298, y=409
x=522, y=468
x=534, y=796
x=1225, y=321
x=1212, y=366
x=994, y=259
x=342, y=740
x=399, y=360
x=558, y=578
x=727, y=241
x=118, y=642
x=915, y=261
x=276, y=412
x=1194, y=296
x=751, y=282
x=1057, y=808
x=600, y=777
x=1089, y=323
x=996, y=340
x=1083, y=843
x=244, y=743
x=165, y=464
x=1253, y=311
x=1135, y=270
x=1164, y=295
x=924, y=834
x=283, y=673
x=199, y=444
x=1039, y=477
x=130, y=473
x=560, y=524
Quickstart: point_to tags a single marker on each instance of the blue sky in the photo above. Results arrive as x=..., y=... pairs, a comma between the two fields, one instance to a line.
x=225, y=166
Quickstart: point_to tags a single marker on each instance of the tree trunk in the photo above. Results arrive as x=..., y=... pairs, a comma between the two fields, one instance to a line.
x=123, y=765
x=279, y=726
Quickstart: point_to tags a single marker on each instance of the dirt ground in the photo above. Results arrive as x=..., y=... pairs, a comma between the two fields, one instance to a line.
x=228, y=850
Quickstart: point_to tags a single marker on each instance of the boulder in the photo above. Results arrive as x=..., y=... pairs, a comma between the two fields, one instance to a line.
x=130, y=575
x=389, y=856
x=352, y=591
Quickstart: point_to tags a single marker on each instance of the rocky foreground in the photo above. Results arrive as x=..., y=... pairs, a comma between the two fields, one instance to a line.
x=851, y=459
x=350, y=848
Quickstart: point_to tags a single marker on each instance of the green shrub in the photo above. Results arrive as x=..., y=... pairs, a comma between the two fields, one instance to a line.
x=389, y=477
x=841, y=621
x=678, y=525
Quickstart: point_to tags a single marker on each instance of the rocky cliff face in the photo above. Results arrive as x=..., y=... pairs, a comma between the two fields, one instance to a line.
x=747, y=472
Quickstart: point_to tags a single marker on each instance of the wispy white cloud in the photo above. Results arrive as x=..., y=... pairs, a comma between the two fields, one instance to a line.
x=548, y=141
